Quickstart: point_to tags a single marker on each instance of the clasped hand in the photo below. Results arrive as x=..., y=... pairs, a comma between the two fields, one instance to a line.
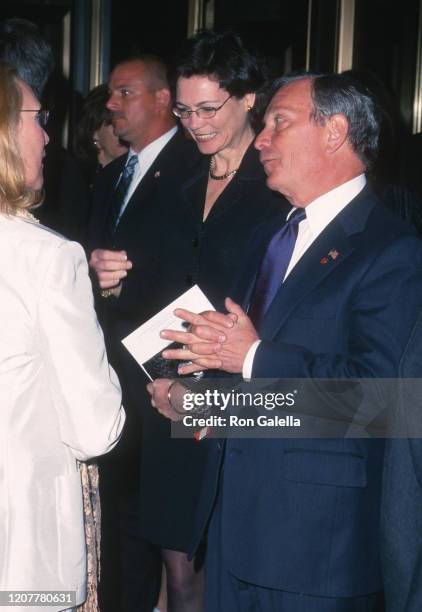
x=214, y=340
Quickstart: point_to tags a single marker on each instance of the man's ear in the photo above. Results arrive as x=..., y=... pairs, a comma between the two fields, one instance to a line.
x=163, y=99
x=337, y=132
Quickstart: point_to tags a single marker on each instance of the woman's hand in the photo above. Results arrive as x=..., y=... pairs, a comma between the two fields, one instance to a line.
x=159, y=392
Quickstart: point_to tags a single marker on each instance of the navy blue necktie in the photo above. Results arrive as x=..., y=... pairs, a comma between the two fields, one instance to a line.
x=120, y=193
x=274, y=266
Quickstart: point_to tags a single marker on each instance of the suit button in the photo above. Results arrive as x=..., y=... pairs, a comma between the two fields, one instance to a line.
x=195, y=243
x=188, y=280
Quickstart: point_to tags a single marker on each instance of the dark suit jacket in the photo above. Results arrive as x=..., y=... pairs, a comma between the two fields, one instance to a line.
x=302, y=515
x=211, y=254
x=164, y=237
x=172, y=249
x=145, y=233
x=402, y=491
x=144, y=230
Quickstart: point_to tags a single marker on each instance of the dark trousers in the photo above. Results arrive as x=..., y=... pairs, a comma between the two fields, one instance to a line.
x=130, y=566
x=226, y=593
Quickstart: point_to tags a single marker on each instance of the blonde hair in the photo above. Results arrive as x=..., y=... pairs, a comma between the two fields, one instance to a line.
x=14, y=194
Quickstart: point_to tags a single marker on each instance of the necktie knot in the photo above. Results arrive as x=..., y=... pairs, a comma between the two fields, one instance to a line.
x=297, y=216
x=129, y=169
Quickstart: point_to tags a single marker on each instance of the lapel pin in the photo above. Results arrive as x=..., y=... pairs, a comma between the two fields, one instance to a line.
x=157, y=174
x=333, y=254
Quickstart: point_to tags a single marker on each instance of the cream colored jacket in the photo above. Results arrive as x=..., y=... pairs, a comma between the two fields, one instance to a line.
x=59, y=401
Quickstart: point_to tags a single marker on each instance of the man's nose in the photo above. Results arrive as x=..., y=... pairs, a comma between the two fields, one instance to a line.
x=113, y=102
x=263, y=139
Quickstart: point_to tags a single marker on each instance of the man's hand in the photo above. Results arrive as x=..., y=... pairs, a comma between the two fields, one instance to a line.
x=214, y=340
x=158, y=390
x=194, y=345
x=110, y=267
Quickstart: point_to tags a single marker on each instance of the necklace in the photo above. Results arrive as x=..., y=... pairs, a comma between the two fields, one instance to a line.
x=220, y=177
x=25, y=214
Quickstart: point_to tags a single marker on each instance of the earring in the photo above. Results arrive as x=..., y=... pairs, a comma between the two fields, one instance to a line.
x=249, y=108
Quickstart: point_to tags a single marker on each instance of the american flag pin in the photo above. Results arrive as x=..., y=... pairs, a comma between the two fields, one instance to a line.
x=157, y=174
x=202, y=433
x=334, y=254
x=323, y=260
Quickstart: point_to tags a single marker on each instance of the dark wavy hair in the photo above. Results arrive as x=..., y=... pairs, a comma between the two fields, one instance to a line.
x=94, y=114
x=221, y=56
x=23, y=46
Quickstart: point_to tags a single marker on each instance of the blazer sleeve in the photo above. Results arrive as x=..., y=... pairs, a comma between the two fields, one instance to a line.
x=85, y=389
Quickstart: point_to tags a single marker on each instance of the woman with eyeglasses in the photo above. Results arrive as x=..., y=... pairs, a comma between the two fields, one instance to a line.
x=59, y=399
x=221, y=207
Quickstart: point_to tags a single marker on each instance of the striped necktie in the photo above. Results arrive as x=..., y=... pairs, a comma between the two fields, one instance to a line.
x=120, y=193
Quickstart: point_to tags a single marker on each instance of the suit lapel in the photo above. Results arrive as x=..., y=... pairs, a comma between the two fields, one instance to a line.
x=156, y=173
x=195, y=189
x=334, y=245
x=248, y=173
x=143, y=190
x=311, y=270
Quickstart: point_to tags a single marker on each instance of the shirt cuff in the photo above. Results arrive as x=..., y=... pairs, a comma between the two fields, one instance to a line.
x=248, y=363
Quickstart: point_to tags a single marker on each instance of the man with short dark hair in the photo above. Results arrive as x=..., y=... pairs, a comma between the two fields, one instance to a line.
x=295, y=522
x=140, y=104
x=133, y=241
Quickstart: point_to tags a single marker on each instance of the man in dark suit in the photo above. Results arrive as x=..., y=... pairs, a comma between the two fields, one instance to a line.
x=130, y=236
x=401, y=516
x=295, y=522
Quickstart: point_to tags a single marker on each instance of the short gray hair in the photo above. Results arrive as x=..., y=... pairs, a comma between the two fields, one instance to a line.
x=341, y=93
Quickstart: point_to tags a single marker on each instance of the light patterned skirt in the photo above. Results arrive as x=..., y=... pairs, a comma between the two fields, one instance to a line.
x=92, y=517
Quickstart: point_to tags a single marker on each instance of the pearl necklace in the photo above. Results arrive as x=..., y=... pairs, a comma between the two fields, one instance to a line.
x=25, y=214
x=220, y=177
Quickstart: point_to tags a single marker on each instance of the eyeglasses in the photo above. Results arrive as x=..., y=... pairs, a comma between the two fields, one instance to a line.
x=41, y=116
x=205, y=112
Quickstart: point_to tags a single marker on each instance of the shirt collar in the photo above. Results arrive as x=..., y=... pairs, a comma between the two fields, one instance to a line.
x=322, y=211
x=154, y=147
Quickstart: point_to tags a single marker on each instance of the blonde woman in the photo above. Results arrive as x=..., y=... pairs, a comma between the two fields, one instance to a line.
x=59, y=399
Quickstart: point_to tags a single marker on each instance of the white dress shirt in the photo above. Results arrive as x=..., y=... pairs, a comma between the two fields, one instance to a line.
x=319, y=214
x=146, y=157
